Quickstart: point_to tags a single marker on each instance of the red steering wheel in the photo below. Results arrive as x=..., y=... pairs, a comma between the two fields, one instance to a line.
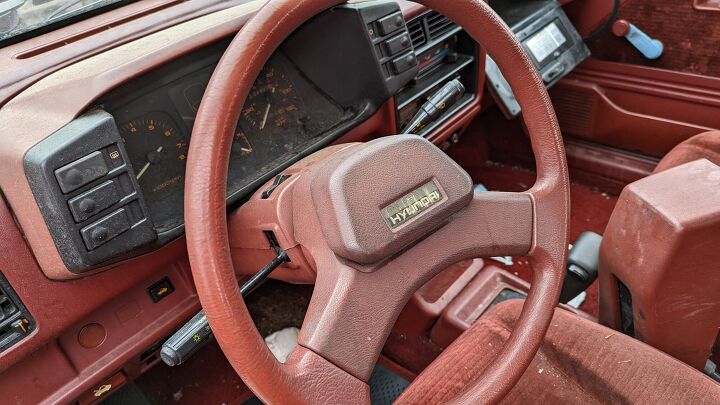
x=367, y=269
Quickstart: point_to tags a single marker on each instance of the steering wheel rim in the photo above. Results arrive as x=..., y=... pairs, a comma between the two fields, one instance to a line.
x=310, y=377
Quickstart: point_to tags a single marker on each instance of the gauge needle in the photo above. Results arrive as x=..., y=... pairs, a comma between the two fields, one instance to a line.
x=147, y=165
x=267, y=111
x=264, y=121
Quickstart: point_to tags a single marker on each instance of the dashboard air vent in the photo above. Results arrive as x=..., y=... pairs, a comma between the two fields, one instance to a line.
x=438, y=24
x=417, y=34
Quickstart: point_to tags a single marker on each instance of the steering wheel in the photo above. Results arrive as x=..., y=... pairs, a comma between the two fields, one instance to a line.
x=343, y=212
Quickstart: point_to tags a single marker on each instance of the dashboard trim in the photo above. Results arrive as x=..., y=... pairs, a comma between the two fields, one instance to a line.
x=104, y=72
x=22, y=65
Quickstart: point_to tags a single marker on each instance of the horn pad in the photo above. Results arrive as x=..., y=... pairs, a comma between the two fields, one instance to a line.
x=375, y=199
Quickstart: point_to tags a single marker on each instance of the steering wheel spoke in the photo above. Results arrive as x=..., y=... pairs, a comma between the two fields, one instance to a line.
x=494, y=224
x=353, y=307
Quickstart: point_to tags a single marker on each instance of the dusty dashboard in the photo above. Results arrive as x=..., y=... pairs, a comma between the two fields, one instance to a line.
x=110, y=184
x=283, y=115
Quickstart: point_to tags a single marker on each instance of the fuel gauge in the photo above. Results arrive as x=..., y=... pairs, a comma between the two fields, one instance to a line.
x=241, y=144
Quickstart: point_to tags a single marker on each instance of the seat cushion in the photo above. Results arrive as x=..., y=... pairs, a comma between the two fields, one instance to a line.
x=702, y=146
x=579, y=362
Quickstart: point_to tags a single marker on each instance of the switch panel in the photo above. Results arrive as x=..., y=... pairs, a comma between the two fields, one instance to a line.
x=393, y=46
x=374, y=33
x=88, y=194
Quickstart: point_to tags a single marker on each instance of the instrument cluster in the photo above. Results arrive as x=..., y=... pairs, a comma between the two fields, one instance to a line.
x=283, y=114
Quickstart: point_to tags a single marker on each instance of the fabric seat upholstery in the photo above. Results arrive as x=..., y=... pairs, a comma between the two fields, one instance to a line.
x=702, y=146
x=579, y=362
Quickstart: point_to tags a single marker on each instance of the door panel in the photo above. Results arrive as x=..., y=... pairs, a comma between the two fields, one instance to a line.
x=690, y=36
x=636, y=108
x=620, y=99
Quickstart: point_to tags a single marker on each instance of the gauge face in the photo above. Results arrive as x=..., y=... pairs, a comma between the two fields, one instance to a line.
x=273, y=108
x=272, y=103
x=157, y=152
x=282, y=116
x=272, y=124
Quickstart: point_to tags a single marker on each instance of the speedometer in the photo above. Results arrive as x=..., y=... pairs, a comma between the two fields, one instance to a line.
x=272, y=103
x=157, y=152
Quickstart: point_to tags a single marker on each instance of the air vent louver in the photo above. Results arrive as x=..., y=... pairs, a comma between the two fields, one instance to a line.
x=438, y=24
x=417, y=34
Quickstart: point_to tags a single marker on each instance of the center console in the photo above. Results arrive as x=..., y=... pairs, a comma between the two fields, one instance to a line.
x=444, y=53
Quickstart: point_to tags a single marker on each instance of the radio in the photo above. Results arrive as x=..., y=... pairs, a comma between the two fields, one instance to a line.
x=548, y=36
x=444, y=51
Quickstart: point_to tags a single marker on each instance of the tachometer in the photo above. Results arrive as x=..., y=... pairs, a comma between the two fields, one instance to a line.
x=157, y=152
x=273, y=105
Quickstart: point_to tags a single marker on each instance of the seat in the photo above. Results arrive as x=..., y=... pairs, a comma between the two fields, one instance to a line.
x=579, y=362
x=705, y=145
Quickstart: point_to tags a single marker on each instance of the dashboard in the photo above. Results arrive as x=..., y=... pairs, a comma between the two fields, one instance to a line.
x=283, y=115
x=110, y=183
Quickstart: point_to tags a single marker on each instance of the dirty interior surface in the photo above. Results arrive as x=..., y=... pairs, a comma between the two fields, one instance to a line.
x=207, y=377
x=276, y=305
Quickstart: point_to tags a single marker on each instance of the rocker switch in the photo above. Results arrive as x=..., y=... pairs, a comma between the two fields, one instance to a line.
x=390, y=23
x=81, y=172
x=94, y=200
x=105, y=229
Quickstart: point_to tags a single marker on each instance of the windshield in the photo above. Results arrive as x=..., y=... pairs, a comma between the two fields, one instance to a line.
x=21, y=16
